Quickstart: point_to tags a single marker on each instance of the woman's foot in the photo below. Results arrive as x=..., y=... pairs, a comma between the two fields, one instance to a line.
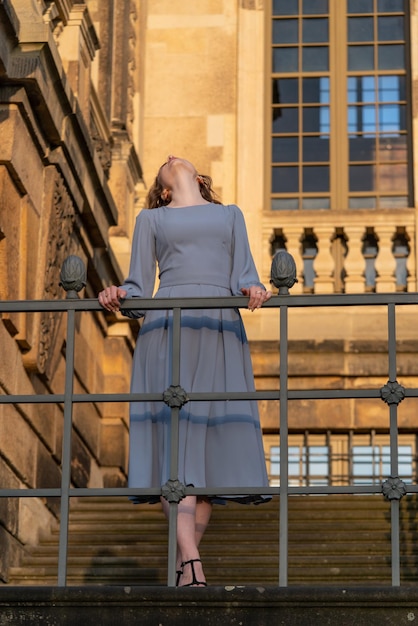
x=193, y=575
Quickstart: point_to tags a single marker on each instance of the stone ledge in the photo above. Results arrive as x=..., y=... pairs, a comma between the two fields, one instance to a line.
x=211, y=606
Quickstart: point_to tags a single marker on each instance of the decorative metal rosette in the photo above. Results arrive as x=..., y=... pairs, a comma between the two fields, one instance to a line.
x=393, y=488
x=173, y=491
x=175, y=396
x=392, y=392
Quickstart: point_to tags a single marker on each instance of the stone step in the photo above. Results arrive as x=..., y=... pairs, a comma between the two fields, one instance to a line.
x=336, y=538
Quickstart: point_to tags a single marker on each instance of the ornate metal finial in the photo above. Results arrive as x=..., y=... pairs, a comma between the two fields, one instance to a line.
x=175, y=396
x=283, y=271
x=173, y=491
x=392, y=392
x=73, y=276
x=393, y=488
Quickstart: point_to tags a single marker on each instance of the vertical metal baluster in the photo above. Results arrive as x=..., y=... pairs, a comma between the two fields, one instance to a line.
x=66, y=450
x=394, y=465
x=174, y=450
x=284, y=450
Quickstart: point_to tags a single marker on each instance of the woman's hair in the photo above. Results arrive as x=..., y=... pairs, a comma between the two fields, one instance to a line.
x=155, y=200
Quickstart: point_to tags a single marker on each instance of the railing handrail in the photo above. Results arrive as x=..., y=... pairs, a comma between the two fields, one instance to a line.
x=276, y=301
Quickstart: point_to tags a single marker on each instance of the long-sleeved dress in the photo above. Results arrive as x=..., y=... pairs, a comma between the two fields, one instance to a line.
x=202, y=251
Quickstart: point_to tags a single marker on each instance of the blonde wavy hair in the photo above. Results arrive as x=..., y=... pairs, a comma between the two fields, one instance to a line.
x=155, y=199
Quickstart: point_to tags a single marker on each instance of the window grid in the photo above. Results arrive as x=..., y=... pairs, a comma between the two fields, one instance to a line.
x=340, y=459
x=360, y=135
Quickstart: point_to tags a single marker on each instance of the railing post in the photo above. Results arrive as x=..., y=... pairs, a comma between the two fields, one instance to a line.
x=284, y=451
x=283, y=276
x=174, y=397
x=393, y=488
x=72, y=279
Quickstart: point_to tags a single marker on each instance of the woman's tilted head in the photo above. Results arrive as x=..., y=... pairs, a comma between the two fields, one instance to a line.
x=160, y=191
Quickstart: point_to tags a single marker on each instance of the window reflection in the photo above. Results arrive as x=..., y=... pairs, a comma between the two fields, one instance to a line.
x=391, y=88
x=287, y=122
x=393, y=177
x=362, y=149
x=285, y=60
x=285, y=31
x=390, y=28
x=360, y=29
x=316, y=89
x=285, y=91
x=360, y=6
x=285, y=179
x=314, y=6
x=372, y=463
x=316, y=178
x=315, y=30
x=361, y=178
x=391, y=117
x=285, y=149
x=360, y=58
x=391, y=57
x=393, y=148
x=315, y=59
x=390, y=6
x=361, y=89
x=316, y=119
x=315, y=149
x=285, y=7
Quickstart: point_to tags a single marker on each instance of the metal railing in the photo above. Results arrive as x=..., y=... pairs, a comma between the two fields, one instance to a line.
x=392, y=393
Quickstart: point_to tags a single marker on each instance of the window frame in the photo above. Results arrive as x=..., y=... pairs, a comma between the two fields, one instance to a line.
x=339, y=195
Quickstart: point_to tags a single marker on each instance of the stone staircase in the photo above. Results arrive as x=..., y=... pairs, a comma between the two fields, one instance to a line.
x=333, y=540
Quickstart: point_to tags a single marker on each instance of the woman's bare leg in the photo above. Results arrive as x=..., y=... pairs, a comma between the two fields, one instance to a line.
x=192, y=519
x=203, y=513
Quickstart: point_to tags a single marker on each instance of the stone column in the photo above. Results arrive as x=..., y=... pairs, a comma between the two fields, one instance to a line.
x=354, y=263
x=294, y=247
x=385, y=262
x=324, y=262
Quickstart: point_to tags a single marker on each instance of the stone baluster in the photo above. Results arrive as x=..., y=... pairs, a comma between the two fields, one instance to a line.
x=294, y=247
x=324, y=262
x=385, y=261
x=411, y=267
x=354, y=262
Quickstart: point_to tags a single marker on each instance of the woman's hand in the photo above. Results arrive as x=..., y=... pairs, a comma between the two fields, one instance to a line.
x=257, y=296
x=110, y=298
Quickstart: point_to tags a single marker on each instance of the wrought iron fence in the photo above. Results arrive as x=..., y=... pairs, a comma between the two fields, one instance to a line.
x=392, y=393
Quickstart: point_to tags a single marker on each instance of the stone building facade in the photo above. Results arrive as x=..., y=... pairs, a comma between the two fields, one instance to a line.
x=71, y=183
x=94, y=95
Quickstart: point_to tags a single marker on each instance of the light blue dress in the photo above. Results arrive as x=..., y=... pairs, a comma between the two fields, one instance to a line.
x=202, y=251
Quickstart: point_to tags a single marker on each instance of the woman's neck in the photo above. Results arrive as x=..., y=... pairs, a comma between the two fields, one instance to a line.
x=186, y=196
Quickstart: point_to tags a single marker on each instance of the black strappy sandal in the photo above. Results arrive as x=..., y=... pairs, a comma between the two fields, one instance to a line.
x=179, y=574
x=194, y=580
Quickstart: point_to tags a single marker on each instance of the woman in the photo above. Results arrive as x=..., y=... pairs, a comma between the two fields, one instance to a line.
x=202, y=250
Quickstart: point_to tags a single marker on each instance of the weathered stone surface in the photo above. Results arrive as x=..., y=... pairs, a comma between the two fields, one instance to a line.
x=9, y=507
x=10, y=551
x=114, y=444
x=226, y=606
x=19, y=443
x=80, y=462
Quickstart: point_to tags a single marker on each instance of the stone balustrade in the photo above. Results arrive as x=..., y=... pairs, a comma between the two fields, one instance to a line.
x=348, y=252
